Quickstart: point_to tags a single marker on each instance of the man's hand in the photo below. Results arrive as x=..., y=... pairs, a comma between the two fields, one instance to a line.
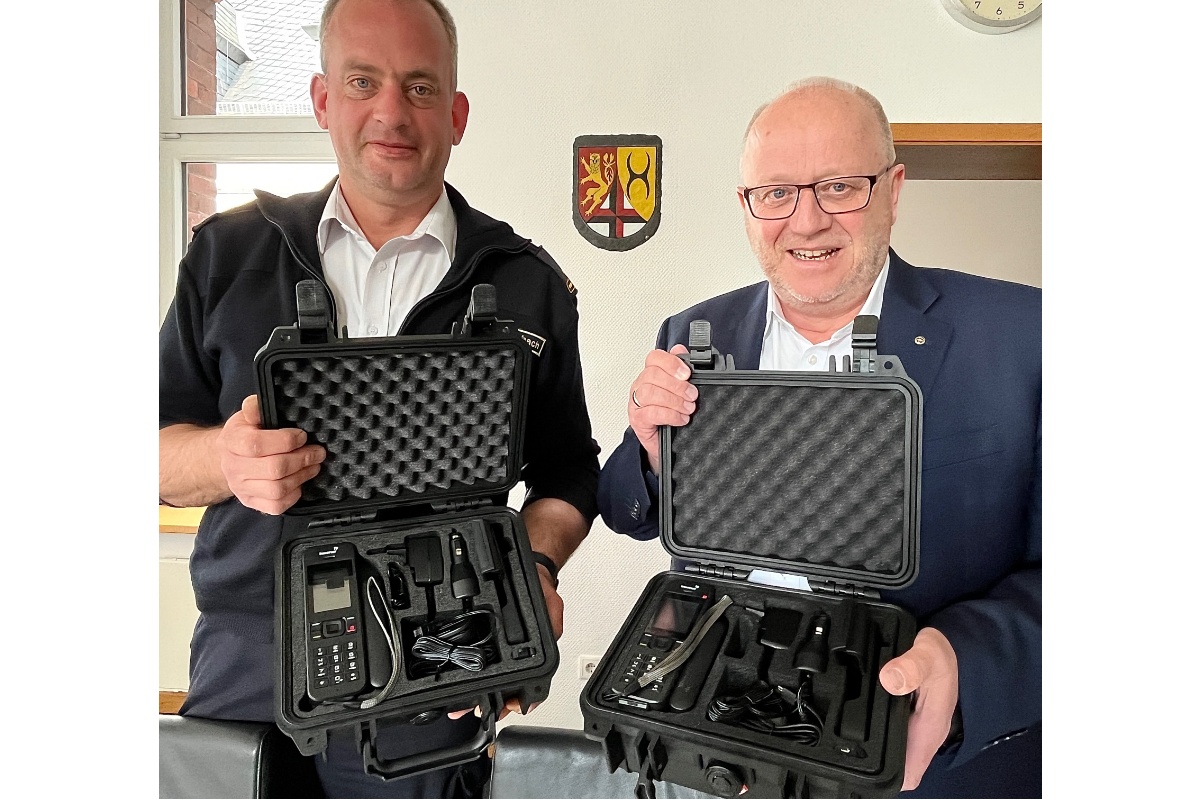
x=554, y=603
x=265, y=468
x=660, y=395
x=930, y=669
x=510, y=705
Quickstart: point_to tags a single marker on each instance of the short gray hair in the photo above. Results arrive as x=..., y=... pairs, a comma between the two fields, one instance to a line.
x=823, y=82
x=439, y=8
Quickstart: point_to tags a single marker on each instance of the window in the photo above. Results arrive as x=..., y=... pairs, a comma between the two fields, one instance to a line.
x=234, y=112
x=249, y=57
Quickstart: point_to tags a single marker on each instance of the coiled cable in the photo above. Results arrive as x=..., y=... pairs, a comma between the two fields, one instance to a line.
x=774, y=711
x=466, y=640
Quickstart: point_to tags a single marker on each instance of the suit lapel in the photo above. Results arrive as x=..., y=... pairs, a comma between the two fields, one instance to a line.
x=906, y=299
x=904, y=321
x=748, y=331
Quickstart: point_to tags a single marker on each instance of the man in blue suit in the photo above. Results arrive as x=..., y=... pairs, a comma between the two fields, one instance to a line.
x=820, y=194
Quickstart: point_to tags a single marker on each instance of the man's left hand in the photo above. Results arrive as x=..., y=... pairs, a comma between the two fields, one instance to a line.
x=930, y=669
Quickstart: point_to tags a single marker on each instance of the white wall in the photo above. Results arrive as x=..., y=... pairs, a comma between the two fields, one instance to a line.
x=539, y=73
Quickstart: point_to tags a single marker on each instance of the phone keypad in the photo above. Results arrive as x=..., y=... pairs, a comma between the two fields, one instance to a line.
x=641, y=664
x=334, y=665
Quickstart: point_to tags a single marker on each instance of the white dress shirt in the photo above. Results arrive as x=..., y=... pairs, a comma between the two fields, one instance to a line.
x=786, y=349
x=375, y=289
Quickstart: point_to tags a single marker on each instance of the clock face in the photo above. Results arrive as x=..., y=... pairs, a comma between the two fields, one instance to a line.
x=994, y=16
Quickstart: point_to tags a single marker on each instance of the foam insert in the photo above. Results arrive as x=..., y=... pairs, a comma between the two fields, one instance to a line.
x=800, y=473
x=400, y=424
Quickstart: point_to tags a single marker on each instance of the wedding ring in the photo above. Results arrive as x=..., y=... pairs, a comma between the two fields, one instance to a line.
x=633, y=396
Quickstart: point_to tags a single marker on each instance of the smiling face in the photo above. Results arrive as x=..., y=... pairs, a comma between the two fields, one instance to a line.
x=389, y=103
x=820, y=264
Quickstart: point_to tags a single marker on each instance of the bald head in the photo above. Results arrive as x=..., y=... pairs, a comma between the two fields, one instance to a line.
x=823, y=103
x=821, y=263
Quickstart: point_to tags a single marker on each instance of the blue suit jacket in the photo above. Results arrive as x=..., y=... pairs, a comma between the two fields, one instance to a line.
x=980, y=577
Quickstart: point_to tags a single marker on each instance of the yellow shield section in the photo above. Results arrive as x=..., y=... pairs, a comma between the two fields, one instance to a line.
x=637, y=171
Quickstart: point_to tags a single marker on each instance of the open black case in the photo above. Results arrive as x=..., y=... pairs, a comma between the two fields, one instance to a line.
x=812, y=474
x=408, y=534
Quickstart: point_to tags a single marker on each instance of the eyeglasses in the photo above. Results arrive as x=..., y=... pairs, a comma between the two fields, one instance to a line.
x=834, y=196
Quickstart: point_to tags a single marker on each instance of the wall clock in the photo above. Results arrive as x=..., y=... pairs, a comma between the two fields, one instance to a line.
x=994, y=16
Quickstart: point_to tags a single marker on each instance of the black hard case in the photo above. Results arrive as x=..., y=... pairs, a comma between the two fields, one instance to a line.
x=816, y=473
x=423, y=435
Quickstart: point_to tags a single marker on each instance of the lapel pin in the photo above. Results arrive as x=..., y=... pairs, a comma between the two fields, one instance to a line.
x=919, y=340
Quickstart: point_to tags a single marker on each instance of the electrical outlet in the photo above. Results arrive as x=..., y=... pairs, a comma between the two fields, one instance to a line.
x=587, y=665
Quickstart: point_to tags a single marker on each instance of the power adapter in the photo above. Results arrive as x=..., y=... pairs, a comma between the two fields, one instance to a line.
x=428, y=568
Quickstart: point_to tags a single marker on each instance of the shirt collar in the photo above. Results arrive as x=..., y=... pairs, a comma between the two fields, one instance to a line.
x=873, y=306
x=440, y=222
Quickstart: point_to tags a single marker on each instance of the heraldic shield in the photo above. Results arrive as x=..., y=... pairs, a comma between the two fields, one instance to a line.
x=618, y=189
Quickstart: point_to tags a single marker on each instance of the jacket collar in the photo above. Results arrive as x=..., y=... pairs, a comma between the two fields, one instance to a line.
x=749, y=330
x=298, y=216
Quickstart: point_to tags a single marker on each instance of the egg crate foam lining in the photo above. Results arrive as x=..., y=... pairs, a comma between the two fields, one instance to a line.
x=811, y=474
x=395, y=425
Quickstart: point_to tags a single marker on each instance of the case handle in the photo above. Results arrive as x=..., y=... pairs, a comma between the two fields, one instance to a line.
x=418, y=763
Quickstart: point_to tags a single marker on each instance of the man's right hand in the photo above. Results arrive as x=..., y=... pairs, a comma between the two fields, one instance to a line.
x=265, y=468
x=660, y=395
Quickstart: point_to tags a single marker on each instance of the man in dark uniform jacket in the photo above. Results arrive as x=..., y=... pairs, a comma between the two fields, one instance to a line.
x=399, y=251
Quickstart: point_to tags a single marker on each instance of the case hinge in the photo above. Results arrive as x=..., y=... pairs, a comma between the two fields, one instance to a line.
x=834, y=587
x=344, y=519
x=718, y=571
x=460, y=505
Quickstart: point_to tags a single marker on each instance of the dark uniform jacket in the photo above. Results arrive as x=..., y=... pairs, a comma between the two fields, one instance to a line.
x=235, y=285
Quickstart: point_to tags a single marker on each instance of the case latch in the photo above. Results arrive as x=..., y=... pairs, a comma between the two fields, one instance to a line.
x=313, y=319
x=480, y=318
x=862, y=341
x=701, y=354
x=834, y=587
x=652, y=758
x=718, y=571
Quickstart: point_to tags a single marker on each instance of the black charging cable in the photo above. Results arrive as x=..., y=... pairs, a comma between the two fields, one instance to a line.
x=775, y=711
x=465, y=640
x=778, y=711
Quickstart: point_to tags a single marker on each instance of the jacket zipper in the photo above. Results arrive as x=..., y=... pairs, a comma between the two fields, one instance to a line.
x=304, y=266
